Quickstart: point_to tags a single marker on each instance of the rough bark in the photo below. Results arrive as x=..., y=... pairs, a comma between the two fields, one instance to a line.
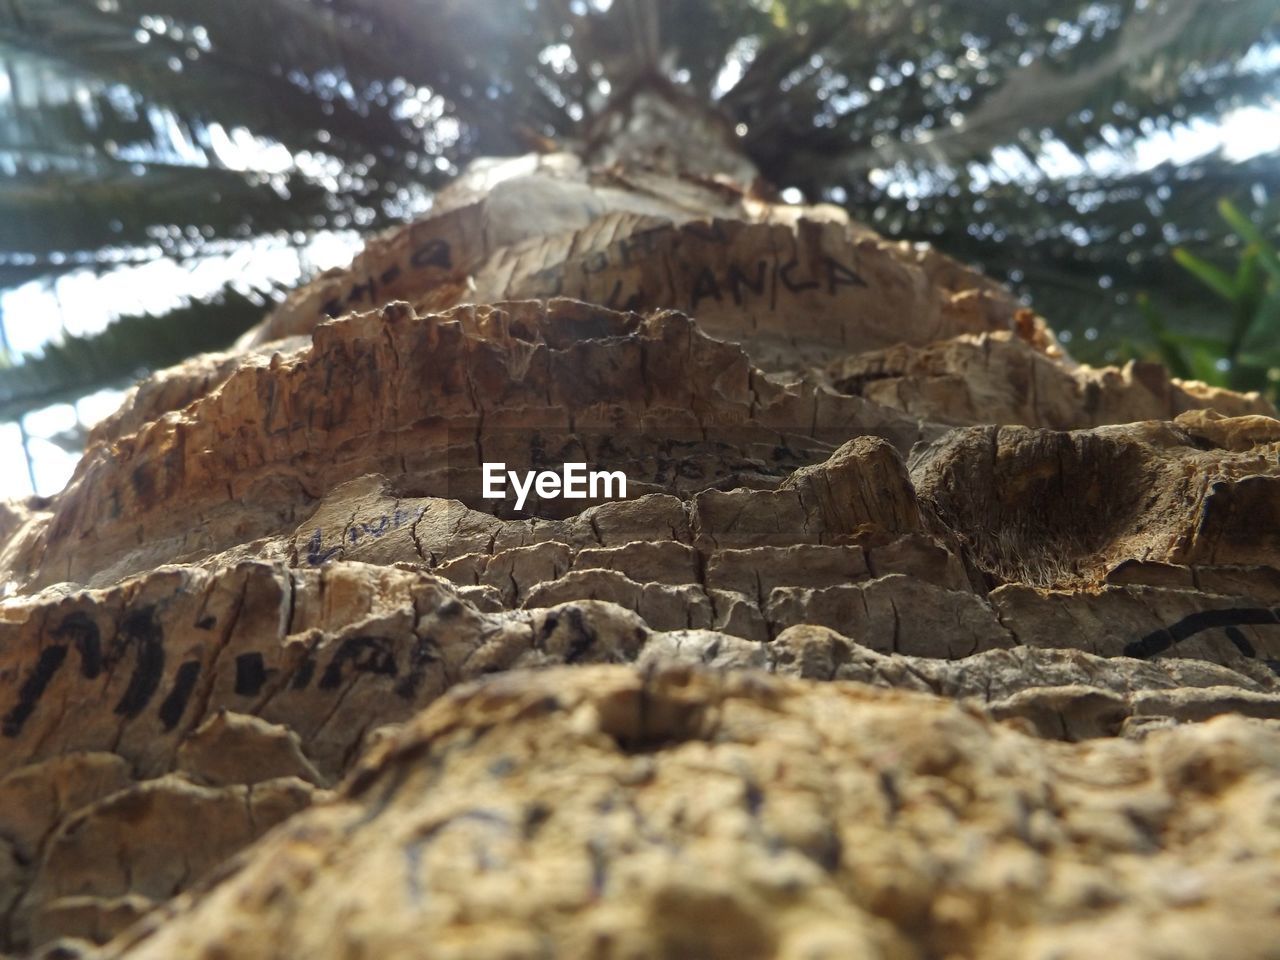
x=853, y=464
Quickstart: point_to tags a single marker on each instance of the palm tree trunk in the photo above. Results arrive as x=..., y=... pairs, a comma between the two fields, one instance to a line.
x=846, y=459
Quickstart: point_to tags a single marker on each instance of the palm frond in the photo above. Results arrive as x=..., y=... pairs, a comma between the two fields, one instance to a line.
x=944, y=86
x=118, y=208
x=124, y=351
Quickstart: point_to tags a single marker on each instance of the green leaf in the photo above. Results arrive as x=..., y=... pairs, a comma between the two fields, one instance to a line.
x=1204, y=367
x=1170, y=350
x=1264, y=331
x=1190, y=341
x=1242, y=225
x=1268, y=258
x=1216, y=279
x=1250, y=284
x=1248, y=376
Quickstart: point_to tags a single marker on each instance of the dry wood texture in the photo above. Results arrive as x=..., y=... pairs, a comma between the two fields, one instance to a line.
x=912, y=637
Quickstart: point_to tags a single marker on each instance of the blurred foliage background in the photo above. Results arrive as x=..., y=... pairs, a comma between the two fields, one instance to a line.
x=1067, y=147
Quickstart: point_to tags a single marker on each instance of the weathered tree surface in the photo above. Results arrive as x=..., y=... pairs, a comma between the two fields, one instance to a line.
x=1022, y=616
x=680, y=813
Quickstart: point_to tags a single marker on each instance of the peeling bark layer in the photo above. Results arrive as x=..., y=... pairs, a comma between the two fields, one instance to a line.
x=912, y=637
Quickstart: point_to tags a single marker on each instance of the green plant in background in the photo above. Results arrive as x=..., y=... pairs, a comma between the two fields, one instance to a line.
x=1242, y=349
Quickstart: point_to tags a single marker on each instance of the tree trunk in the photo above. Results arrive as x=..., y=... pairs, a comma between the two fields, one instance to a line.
x=911, y=636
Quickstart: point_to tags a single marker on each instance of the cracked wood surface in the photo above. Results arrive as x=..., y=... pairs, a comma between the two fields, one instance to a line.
x=734, y=815
x=913, y=637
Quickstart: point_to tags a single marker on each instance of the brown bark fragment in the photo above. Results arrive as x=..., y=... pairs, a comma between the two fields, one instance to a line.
x=1022, y=616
